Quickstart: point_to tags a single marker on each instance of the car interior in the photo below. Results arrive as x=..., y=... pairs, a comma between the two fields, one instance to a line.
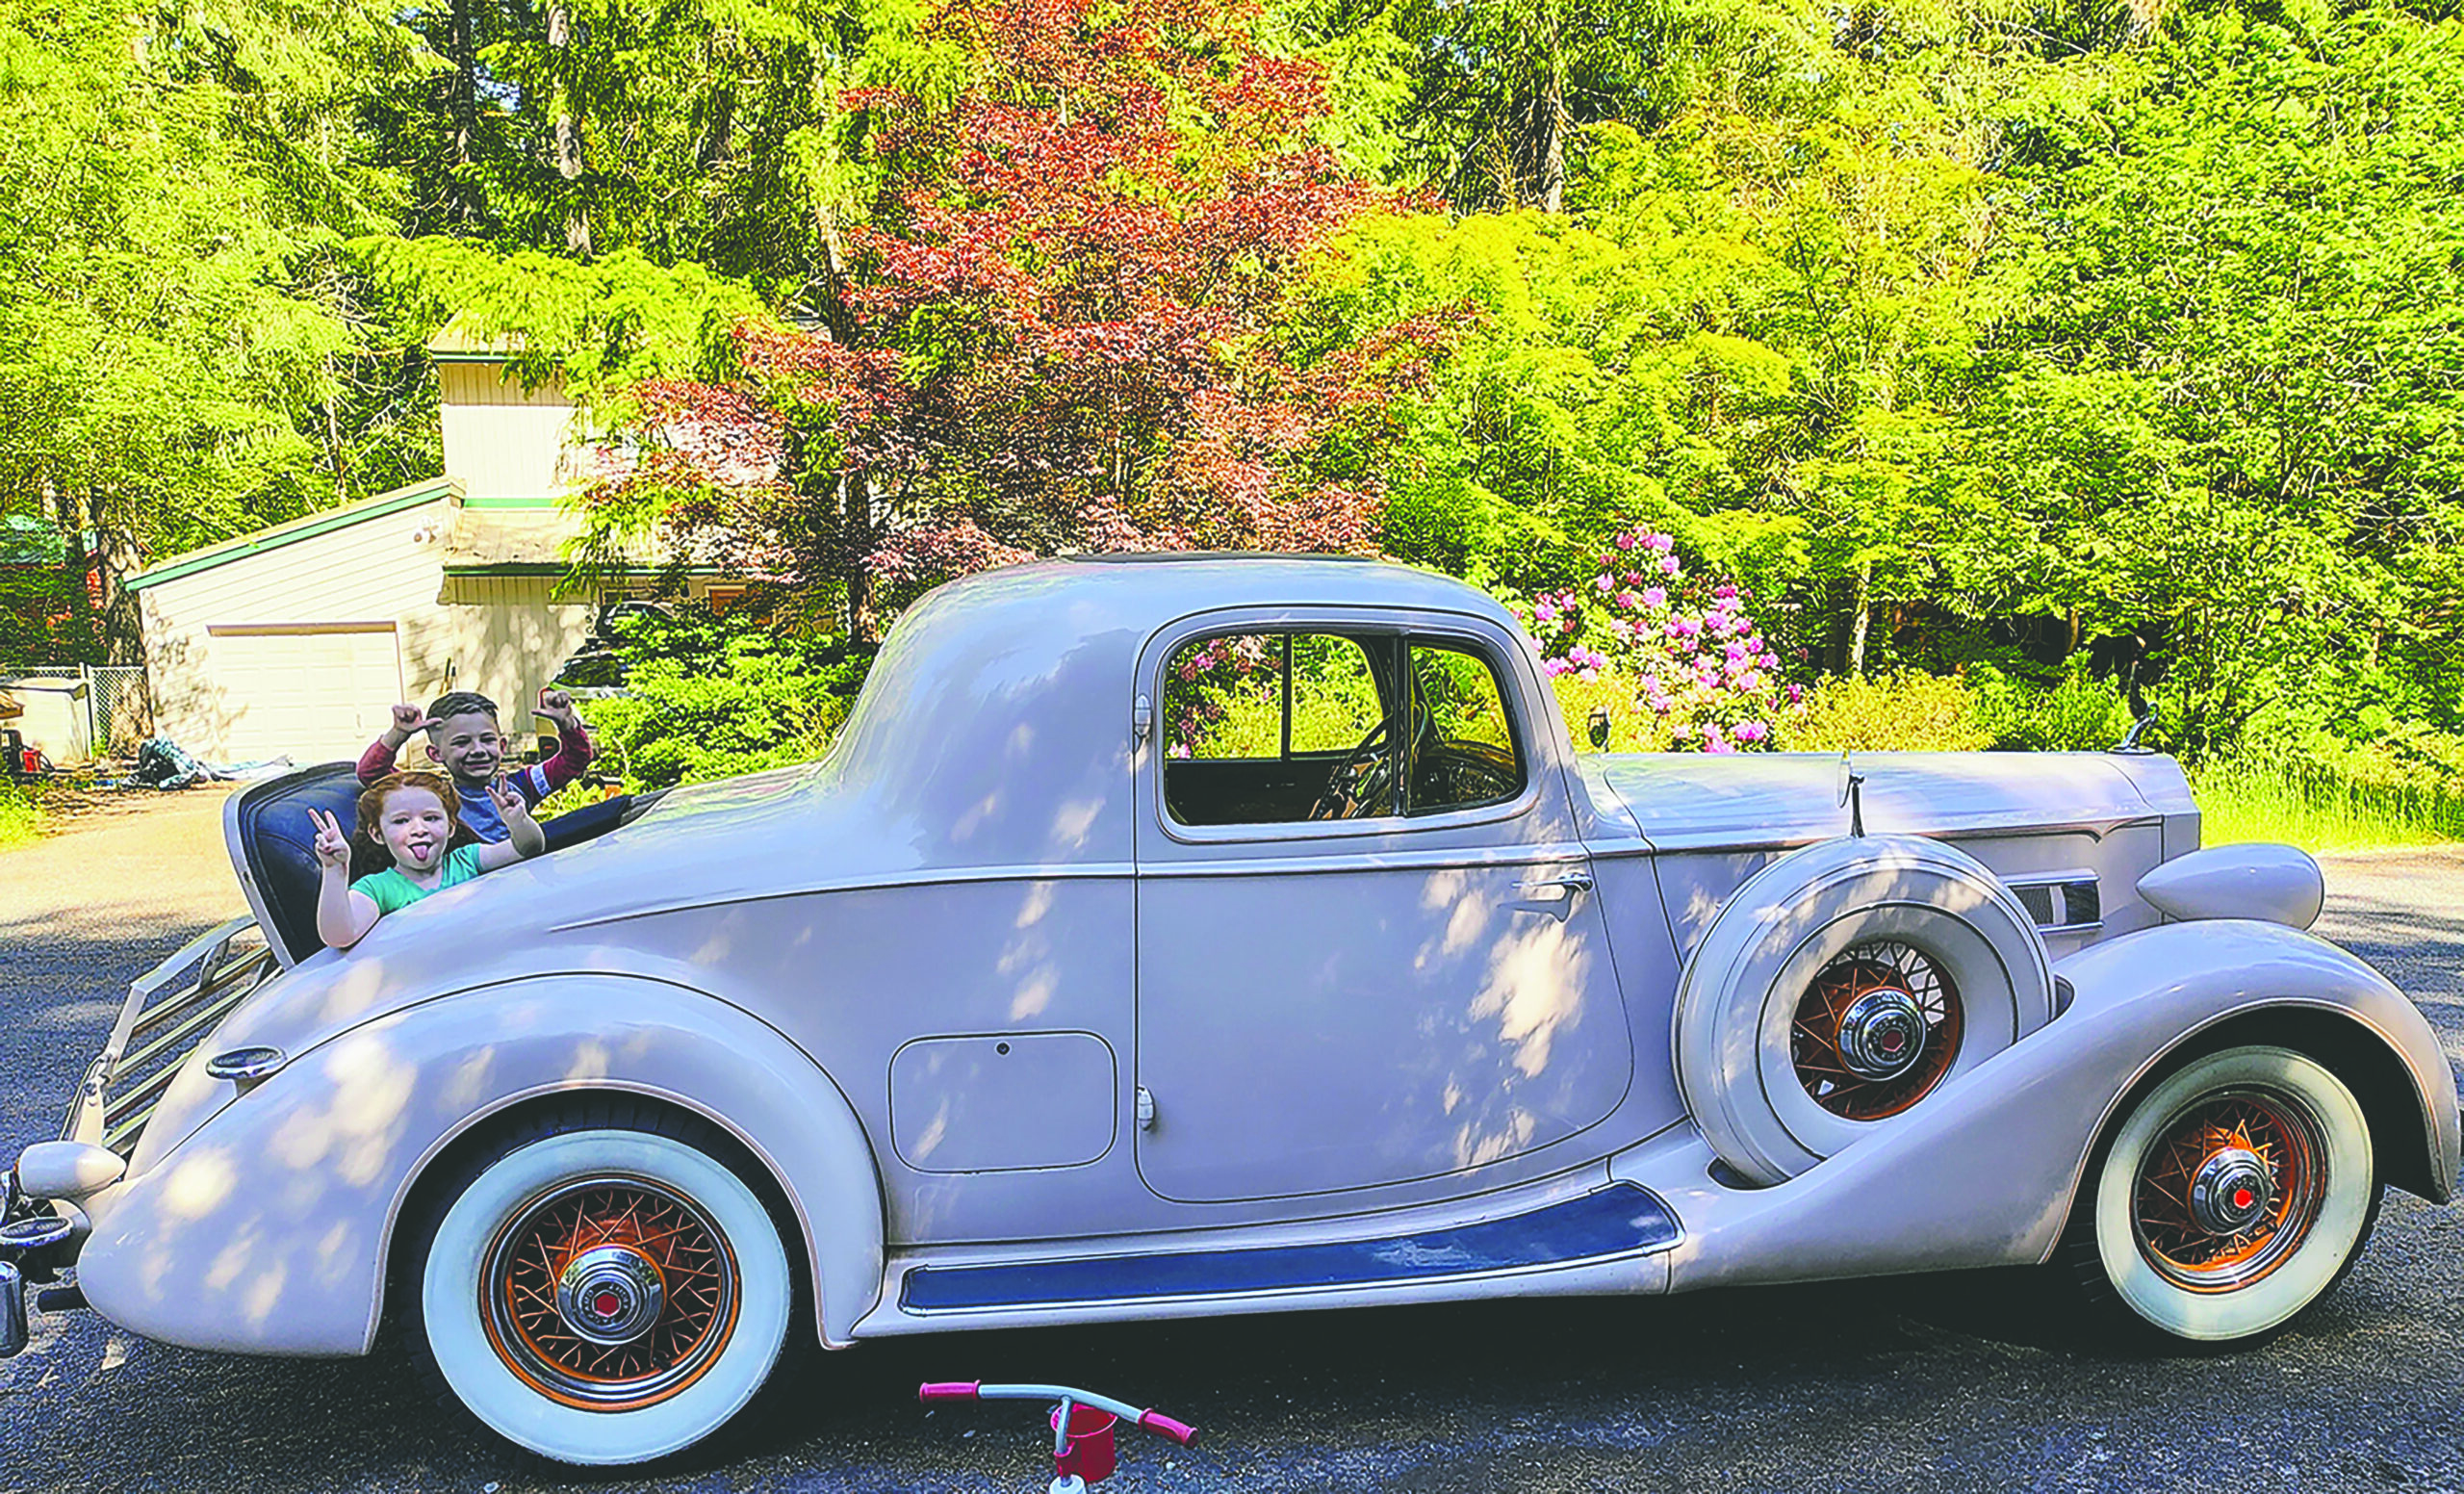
x=1273, y=728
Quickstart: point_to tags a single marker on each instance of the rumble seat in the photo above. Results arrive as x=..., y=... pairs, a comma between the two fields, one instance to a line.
x=272, y=843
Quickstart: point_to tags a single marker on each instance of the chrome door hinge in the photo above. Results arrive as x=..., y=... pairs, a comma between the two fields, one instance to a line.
x=1141, y=719
x=1145, y=1108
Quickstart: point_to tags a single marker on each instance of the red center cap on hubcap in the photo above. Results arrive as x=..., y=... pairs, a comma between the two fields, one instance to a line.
x=605, y=1303
x=1893, y=1042
x=2243, y=1198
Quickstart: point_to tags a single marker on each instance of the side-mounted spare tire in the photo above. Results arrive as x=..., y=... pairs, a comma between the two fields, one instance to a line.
x=1841, y=985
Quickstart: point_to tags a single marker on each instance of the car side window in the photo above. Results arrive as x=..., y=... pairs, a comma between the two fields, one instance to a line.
x=1273, y=728
x=1464, y=752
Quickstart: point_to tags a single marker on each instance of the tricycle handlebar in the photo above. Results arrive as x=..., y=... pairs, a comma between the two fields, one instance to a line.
x=1153, y=1421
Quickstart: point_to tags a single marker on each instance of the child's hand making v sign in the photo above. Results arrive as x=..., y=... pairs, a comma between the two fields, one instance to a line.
x=413, y=819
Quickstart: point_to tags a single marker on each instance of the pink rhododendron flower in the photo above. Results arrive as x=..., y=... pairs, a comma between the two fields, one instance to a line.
x=1668, y=565
x=1655, y=596
x=1544, y=612
x=1770, y=661
x=1752, y=730
x=1735, y=651
x=1625, y=541
x=1796, y=693
x=1625, y=599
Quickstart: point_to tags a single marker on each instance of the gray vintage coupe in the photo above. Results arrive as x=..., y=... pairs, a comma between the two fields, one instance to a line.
x=1180, y=936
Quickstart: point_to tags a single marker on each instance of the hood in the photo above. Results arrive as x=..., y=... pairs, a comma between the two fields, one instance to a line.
x=1685, y=801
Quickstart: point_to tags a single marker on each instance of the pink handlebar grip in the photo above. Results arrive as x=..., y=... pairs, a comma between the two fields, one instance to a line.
x=947, y=1390
x=1162, y=1425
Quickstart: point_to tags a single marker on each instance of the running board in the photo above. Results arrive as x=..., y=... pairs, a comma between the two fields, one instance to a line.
x=1622, y=1218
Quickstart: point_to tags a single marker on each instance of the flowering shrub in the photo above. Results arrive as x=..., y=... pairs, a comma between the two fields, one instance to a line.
x=1674, y=658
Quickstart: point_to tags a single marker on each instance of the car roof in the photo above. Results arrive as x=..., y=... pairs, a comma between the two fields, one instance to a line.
x=996, y=722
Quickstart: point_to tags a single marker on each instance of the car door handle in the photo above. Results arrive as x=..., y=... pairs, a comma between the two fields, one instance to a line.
x=1554, y=895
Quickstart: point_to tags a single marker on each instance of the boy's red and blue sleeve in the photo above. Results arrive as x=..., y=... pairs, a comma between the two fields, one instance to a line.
x=574, y=754
x=376, y=762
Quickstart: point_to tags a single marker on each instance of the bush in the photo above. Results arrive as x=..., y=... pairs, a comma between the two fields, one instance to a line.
x=21, y=816
x=1900, y=712
x=714, y=696
x=2082, y=713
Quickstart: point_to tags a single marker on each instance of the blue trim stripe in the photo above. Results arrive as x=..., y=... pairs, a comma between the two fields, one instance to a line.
x=1619, y=1220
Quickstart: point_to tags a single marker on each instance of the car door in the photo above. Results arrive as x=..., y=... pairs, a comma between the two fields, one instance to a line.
x=1367, y=948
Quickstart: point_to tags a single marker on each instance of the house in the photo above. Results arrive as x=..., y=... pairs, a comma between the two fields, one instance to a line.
x=295, y=639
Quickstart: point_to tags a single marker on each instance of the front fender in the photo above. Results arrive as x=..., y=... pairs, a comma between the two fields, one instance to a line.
x=268, y=1229
x=1983, y=1172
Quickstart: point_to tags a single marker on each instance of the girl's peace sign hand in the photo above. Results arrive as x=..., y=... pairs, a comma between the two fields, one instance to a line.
x=333, y=847
x=508, y=800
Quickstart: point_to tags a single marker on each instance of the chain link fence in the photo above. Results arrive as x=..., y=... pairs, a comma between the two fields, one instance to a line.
x=115, y=694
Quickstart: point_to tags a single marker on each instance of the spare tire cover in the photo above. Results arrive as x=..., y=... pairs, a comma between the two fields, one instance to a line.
x=1866, y=904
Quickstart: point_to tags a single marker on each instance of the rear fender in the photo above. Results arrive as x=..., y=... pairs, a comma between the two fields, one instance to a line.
x=268, y=1230
x=1983, y=1172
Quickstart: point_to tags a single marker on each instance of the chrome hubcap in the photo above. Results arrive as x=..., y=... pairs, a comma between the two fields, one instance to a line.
x=2231, y=1191
x=609, y=1295
x=1882, y=1035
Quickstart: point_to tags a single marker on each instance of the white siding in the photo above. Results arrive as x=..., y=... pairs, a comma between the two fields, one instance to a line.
x=500, y=636
x=504, y=441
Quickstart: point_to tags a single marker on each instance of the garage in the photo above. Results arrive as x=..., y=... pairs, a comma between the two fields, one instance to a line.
x=315, y=692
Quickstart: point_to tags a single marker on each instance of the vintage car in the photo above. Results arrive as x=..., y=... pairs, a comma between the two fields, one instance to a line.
x=1166, y=937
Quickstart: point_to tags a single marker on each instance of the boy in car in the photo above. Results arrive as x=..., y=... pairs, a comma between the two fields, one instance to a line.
x=464, y=738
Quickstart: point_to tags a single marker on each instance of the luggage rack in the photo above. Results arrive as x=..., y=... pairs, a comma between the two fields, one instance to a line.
x=168, y=1012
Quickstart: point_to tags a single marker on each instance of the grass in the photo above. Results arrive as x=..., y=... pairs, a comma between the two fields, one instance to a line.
x=2240, y=800
x=21, y=816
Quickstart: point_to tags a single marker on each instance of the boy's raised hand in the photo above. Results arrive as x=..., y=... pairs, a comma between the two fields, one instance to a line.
x=558, y=706
x=408, y=721
x=333, y=847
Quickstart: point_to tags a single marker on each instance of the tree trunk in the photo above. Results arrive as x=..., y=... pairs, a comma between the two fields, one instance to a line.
x=116, y=559
x=560, y=28
x=1552, y=194
x=856, y=552
x=335, y=460
x=462, y=110
x=1865, y=617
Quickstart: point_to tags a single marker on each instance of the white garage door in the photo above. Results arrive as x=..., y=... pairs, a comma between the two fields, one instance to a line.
x=317, y=692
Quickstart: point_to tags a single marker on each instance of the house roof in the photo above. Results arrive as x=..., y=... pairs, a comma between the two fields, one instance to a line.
x=535, y=541
x=459, y=341
x=26, y=539
x=308, y=526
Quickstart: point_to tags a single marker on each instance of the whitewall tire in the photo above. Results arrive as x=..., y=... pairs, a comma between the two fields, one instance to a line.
x=602, y=1296
x=2232, y=1197
x=1840, y=987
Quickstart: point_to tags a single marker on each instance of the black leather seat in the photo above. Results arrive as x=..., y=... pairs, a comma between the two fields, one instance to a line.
x=277, y=848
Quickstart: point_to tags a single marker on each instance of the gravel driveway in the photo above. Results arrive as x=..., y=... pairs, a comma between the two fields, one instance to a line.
x=1961, y=1383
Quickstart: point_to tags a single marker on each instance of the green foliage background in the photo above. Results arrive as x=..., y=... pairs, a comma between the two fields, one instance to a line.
x=2031, y=343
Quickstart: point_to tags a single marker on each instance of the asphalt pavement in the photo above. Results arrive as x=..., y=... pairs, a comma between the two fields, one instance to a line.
x=1973, y=1381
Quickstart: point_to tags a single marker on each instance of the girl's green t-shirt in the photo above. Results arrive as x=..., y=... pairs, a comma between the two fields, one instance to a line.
x=390, y=891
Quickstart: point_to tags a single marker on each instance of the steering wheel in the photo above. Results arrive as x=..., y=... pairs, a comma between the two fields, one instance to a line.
x=1365, y=776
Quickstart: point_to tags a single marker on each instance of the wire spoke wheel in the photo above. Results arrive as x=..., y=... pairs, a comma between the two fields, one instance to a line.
x=2231, y=1196
x=2229, y=1190
x=1877, y=1029
x=609, y=1294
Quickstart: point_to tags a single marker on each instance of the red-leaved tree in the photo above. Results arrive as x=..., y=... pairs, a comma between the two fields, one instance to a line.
x=1069, y=326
